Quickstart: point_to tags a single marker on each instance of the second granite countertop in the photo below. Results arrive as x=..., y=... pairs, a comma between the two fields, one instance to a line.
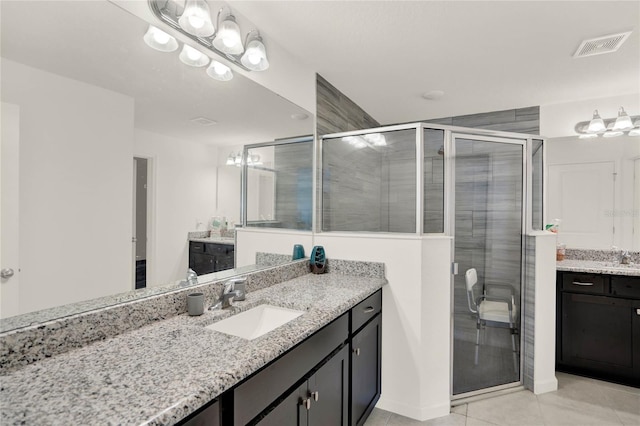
x=598, y=267
x=163, y=372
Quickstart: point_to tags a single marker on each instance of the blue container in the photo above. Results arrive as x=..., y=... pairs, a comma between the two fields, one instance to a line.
x=298, y=252
x=318, y=260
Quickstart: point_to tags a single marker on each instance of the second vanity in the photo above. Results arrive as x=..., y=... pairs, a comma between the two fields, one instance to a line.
x=176, y=371
x=598, y=319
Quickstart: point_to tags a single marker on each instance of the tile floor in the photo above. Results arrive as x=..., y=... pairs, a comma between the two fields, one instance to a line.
x=578, y=401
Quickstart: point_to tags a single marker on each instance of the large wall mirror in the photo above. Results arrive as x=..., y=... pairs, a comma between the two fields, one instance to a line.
x=87, y=107
x=594, y=188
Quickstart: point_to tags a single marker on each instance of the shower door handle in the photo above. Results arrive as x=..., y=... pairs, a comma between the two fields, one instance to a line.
x=454, y=268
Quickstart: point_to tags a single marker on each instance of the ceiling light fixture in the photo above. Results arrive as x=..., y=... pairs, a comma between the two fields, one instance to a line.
x=193, y=57
x=255, y=56
x=609, y=127
x=159, y=40
x=228, y=38
x=196, y=18
x=195, y=22
x=219, y=71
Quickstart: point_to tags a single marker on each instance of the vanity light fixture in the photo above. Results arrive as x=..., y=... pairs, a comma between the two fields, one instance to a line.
x=228, y=39
x=193, y=57
x=194, y=21
x=236, y=160
x=255, y=55
x=596, y=124
x=159, y=40
x=609, y=127
x=196, y=18
x=219, y=71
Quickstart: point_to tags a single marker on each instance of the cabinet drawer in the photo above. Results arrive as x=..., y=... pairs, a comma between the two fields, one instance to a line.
x=196, y=247
x=625, y=286
x=365, y=310
x=586, y=283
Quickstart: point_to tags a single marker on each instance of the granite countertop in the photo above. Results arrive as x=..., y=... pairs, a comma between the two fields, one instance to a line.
x=217, y=240
x=160, y=373
x=598, y=267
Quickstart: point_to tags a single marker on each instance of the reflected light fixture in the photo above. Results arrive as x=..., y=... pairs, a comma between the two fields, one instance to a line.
x=623, y=122
x=196, y=19
x=367, y=140
x=193, y=57
x=236, y=160
x=609, y=127
x=219, y=71
x=255, y=55
x=228, y=39
x=159, y=40
x=596, y=124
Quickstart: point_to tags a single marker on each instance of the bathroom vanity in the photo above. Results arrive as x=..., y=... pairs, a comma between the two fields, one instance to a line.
x=206, y=256
x=323, y=366
x=598, y=320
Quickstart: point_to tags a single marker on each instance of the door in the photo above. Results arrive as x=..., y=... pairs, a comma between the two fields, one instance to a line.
x=582, y=195
x=365, y=370
x=487, y=218
x=9, y=213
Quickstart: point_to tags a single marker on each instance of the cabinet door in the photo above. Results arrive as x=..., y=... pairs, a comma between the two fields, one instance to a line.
x=597, y=332
x=365, y=370
x=329, y=392
x=210, y=416
x=290, y=412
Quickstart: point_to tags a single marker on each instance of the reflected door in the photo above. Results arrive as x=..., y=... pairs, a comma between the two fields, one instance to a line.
x=488, y=220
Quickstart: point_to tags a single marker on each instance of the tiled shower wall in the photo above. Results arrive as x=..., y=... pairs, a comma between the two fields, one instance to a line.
x=294, y=189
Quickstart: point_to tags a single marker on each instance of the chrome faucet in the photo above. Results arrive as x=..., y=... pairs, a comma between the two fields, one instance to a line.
x=625, y=259
x=226, y=295
x=192, y=277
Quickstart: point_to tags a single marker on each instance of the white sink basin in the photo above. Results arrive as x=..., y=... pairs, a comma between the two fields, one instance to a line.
x=256, y=321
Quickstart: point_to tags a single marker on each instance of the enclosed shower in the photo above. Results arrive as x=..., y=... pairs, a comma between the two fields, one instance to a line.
x=480, y=187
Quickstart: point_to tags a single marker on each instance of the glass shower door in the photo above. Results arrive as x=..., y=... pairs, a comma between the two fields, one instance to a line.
x=488, y=222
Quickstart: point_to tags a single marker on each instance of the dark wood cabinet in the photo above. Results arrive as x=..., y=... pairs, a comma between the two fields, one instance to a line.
x=206, y=258
x=599, y=326
x=320, y=400
x=366, y=347
x=331, y=378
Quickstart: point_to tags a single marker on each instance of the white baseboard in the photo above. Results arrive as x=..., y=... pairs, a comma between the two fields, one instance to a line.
x=413, y=412
x=544, y=386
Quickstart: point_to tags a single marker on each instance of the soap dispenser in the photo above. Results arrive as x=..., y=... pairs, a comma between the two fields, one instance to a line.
x=318, y=260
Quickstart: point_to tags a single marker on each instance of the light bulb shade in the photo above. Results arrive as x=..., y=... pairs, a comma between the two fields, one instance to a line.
x=255, y=55
x=192, y=57
x=634, y=132
x=623, y=122
x=231, y=160
x=612, y=133
x=228, y=39
x=596, y=124
x=588, y=136
x=219, y=71
x=159, y=40
x=196, y=18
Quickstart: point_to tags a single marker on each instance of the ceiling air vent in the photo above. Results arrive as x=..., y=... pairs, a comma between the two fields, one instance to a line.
x=600, y=45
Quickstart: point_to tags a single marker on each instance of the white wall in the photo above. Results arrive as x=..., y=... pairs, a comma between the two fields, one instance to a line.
x=249, y=241
x=75, y=233
x=182, y=199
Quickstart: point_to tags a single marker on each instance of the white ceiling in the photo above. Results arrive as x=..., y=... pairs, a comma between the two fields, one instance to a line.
x=485, y=56
x=99, y=43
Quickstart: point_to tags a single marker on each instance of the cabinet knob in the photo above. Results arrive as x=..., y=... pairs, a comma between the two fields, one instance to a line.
x=637, y=311
x=368, y=309
x=315, y=395
x=307, y=403
x=356, y=351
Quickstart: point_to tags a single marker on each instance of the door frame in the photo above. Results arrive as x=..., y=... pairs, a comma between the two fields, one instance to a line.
x=449, y=226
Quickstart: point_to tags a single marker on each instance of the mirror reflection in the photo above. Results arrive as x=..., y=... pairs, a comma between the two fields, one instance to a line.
x=114, y=155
